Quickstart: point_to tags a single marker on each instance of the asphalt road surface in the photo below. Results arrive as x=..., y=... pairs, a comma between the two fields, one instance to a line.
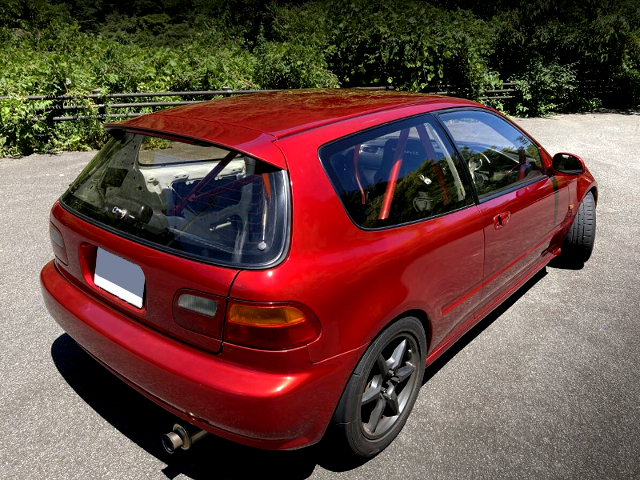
x=547, y=387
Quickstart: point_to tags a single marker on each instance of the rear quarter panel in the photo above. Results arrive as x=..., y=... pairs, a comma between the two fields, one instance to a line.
x=357, y=281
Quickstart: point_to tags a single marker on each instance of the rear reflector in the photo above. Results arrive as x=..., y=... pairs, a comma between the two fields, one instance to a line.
x=199, y=312
x=57, y=242
x=204, y=306
x=270, y=326
x=56, y=236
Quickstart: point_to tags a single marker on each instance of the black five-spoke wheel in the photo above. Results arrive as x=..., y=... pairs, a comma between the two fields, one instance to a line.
x=383, y=388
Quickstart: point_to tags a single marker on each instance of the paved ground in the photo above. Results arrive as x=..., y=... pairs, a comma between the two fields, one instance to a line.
x=549, y=387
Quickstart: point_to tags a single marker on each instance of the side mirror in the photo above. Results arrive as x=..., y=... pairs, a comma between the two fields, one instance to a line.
x=568, y=163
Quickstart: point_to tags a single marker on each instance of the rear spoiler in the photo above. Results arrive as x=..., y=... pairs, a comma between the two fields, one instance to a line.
x=231, y=137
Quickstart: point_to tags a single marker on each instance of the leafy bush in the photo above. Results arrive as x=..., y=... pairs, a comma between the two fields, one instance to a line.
x=21, y=133
x=592, y=47
x=545, y=88
x=295, y=56
x=60, y=59
x=291, y=65
x=563, y=56
x=410, y=45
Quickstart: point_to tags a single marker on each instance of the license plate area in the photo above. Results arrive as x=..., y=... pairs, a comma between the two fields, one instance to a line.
x=119, y=277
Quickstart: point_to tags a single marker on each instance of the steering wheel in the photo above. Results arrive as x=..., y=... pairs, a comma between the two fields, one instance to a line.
x=476, y=163
x=516, y=169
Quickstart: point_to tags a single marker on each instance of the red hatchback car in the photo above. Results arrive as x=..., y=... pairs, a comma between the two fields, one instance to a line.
x=270, y=266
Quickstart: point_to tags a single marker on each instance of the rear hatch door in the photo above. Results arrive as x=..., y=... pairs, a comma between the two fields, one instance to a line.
x=159, y=228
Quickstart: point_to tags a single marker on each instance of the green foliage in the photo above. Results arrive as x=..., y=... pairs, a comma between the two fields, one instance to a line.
x=291, y=65
x=411, y=45
x=17, y=131
x=563, y=56
x=296, y=54
x=22, y=132
x=592, y=45
x=545, y=88
x=58, y=58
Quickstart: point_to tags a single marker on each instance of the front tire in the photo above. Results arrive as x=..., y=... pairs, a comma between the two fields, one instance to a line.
x=383, y=388
x=579, y=243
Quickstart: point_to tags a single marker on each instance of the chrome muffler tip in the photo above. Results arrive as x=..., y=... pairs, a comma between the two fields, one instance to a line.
x=171, y=442
x=181, y=438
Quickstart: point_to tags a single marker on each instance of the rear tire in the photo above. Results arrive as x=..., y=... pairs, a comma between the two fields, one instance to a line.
x=579, y=243
x=382, y=389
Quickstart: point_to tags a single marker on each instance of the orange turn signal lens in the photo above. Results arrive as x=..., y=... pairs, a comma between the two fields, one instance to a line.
x=270, y=326
x=265, y=316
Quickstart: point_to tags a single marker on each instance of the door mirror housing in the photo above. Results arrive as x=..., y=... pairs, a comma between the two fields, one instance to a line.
x=568, y=163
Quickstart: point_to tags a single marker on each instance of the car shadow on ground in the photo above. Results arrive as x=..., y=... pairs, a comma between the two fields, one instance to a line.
x=467, y=338
x=143, y=422
x=563, y=263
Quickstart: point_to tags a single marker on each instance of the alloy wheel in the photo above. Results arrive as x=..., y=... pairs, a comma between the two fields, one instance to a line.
x=389, y=386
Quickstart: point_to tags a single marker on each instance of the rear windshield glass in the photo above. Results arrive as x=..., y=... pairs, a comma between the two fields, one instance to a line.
x=197, y=200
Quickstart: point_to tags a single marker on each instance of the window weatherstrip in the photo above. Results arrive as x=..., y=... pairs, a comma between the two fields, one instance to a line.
x=512, y=188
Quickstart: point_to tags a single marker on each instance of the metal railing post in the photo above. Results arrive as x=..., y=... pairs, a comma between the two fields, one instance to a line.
x=100, y=103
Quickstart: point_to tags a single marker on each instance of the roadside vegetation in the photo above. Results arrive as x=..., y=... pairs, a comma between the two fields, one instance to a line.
x=564, y=56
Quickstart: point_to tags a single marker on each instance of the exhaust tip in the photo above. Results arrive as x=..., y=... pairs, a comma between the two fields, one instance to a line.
x=171, y=442
x=180, y=437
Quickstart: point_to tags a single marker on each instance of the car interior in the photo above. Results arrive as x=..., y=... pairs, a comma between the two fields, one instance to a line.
x=426, y=172
x=191, y=198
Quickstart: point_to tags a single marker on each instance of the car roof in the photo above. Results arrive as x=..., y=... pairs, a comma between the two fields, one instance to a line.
x=246, y=122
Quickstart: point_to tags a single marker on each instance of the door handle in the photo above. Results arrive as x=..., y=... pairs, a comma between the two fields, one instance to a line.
x=501, y=220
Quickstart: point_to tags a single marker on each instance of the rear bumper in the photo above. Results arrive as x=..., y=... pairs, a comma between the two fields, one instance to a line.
x=249, y=405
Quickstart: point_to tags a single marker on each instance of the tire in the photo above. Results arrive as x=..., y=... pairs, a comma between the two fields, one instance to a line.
x=382, y=389
x=579, y=243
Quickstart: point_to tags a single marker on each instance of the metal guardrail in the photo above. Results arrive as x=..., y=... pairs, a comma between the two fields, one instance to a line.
x=507, y=92
x=62, y=103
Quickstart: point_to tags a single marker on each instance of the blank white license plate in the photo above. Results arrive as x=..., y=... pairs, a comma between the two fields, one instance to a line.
x=120, y=277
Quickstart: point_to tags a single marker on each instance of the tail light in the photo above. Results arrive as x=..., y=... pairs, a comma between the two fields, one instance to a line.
x=270, y=326
x=57, y=242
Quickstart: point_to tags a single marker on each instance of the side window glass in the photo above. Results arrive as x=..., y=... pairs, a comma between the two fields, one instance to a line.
x=498, y=155
x=396, y=174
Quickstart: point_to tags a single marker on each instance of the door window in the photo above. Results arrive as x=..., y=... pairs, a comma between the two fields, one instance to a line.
x=395, y=174
x=498, y=155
